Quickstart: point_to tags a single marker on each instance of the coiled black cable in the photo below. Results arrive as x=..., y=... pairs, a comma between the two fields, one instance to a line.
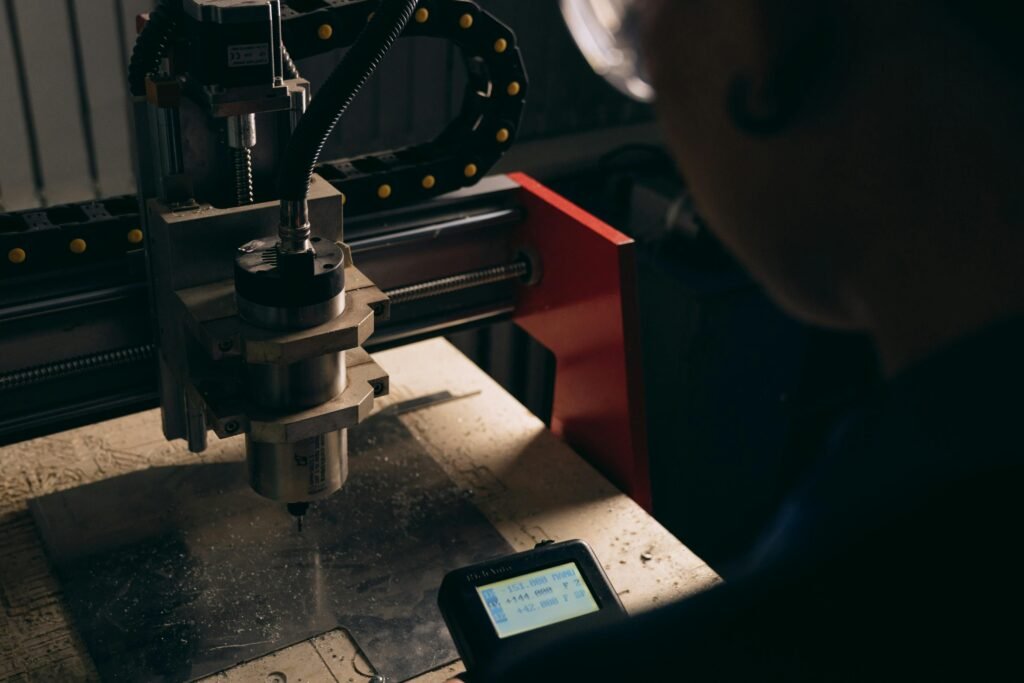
x=336, y=95
x=151, y=46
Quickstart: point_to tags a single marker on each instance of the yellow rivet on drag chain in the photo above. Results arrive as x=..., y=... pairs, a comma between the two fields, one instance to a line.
x=503, y=135
x=135, y=236
x=422, y=14
x=325, y=31
x=466, y=21
x=17, y=255
x=471, y=170
x=500, y=45
x=384, y=191
x=77, y=246
x=429, y=182
x=514, y=88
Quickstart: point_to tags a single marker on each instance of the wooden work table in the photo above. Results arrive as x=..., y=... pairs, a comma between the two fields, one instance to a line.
x=528, y=483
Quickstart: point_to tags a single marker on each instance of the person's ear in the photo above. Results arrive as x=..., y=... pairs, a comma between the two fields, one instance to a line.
x=792, y=63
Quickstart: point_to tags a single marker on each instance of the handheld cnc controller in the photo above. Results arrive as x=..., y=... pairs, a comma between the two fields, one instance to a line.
x=513, y=604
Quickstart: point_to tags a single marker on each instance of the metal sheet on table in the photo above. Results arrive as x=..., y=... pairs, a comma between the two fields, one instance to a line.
x=175, y=573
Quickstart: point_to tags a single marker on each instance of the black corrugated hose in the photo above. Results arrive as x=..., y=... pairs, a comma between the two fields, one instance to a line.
x=152, y=44
x=337, y=93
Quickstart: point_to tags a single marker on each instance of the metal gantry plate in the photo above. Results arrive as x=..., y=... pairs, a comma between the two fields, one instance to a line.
x=175, y=573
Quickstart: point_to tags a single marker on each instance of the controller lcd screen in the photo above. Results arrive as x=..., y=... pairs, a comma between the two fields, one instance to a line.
x=538, y=599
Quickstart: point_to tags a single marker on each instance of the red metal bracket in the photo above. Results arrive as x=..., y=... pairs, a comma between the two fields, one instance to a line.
x=585, y=310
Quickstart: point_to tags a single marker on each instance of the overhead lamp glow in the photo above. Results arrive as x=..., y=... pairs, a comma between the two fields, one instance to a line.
x=606, y=32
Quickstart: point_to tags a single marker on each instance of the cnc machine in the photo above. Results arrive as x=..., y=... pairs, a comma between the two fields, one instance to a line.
x=269, y=342
x=268, y=269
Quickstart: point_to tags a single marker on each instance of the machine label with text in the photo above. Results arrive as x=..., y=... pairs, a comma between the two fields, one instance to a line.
x=256, y=54
x=318, y=466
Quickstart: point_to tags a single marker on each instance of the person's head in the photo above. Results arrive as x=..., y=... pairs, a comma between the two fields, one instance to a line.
x=830, y=142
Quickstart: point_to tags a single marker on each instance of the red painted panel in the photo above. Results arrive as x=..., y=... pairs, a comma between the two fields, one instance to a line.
x=585, y=310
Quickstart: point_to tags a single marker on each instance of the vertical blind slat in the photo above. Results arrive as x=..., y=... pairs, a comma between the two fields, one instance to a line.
x=16, y=182
x=49, y=61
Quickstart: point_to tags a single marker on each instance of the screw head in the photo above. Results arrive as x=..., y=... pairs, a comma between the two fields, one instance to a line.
x=231, y=427
x=226, y=345
x=378, y=387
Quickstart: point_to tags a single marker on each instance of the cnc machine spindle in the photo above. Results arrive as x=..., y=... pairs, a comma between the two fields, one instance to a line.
x=277, y=290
